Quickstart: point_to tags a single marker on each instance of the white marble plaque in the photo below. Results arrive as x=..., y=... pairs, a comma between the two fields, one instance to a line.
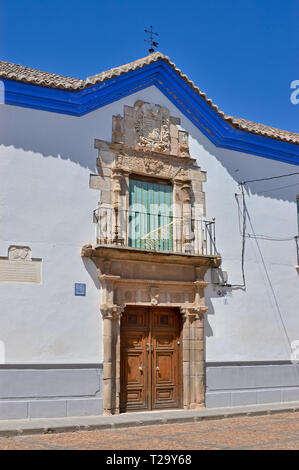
x=18, y=266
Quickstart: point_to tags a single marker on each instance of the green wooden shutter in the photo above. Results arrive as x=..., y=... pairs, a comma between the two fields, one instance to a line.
x=150, y=220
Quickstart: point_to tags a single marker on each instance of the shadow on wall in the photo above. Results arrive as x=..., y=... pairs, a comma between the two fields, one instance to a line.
x=243, y=167
x=70, y=137
x=53, y=134
x=211, y=292
x=92, y=271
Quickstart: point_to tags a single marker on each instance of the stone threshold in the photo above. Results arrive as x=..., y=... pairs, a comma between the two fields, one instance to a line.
x=89, y=423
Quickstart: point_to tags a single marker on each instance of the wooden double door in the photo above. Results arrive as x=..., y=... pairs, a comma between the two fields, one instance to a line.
x=150, y=361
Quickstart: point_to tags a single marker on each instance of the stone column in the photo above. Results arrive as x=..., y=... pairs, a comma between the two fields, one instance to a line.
x=117, y=319
x=186, y=361
x=188, y=241
x=111, y=314
x=108, y=363
x=120, y=180
x=111, y=363
x=198, y=361
x=116, y=178
x=182, y=213
x=124, y=216
x=193, y=356
x=199, y=355
x=177, y=217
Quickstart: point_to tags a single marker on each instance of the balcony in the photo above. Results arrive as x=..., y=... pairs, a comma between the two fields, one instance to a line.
x=154, y=232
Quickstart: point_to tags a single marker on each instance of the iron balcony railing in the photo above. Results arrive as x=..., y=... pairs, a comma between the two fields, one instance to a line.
x=155, y=231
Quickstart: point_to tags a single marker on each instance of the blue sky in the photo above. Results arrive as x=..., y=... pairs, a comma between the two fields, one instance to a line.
x=242, y=54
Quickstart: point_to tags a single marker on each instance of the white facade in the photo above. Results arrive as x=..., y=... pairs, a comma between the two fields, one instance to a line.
x=49, y=337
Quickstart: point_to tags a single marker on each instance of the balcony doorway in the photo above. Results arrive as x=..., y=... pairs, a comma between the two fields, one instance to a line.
x=151, y=222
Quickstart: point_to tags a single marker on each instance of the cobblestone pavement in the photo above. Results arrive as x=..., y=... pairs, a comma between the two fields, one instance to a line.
x=278, y=431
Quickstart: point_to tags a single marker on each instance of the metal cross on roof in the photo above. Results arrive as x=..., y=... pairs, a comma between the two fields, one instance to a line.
x=151, y=41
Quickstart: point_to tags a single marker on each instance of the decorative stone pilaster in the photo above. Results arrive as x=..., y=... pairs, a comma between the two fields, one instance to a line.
x=111, y=314
x=187, y=229
x=117, y=179
x=193, y=356
x=111, y=364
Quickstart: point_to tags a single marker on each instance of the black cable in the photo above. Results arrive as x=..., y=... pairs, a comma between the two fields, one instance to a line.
x=269, y=178
x=243, y=237
x=244, y=225
x=259, y=236
x=242, y=286
x=280, y=187
x=269, y=280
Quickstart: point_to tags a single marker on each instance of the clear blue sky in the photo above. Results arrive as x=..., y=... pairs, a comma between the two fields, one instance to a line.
x=242, y=54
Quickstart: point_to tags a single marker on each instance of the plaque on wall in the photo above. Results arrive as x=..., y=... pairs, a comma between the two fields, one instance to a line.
x=20, y=267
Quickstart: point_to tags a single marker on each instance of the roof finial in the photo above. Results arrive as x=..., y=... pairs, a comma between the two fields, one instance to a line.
x=152, y=43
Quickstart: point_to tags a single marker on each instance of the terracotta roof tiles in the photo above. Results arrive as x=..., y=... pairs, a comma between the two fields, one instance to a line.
x=37, y=77
x=20, y=73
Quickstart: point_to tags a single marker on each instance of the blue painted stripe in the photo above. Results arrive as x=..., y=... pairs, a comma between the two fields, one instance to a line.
x=160, y=74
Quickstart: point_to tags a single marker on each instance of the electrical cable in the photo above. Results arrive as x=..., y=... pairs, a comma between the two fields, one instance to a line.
x=260, y=236
x=269, y=178
x=270, y=239
x=280, y=187
x=253, y=236
x=269, y=280
x=243, y=239
x=245, y=213
x=243, y=234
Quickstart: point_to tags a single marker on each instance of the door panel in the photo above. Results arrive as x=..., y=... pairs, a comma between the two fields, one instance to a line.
x=150, y=359
x=166, y=344
x=134, y=358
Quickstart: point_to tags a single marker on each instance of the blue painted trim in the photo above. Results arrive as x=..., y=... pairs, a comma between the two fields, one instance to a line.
x=160, y=74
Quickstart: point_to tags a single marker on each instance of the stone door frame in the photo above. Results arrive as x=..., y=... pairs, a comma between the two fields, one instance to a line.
x=119, y=289
x=192, y=354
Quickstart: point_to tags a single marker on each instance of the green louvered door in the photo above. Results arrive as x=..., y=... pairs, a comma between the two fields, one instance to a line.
x=150, y=219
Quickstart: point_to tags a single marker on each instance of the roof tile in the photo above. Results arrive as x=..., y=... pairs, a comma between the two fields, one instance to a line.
x=37, y=77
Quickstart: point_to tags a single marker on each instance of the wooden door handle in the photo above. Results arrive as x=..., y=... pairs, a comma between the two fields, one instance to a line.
x=140, y=368
x=157, y=368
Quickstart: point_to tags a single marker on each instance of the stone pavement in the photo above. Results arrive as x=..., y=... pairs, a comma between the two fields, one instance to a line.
x=264, y=432
x=82, y=423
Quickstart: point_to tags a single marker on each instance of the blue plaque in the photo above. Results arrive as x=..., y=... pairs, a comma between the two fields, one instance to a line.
x=80, y=289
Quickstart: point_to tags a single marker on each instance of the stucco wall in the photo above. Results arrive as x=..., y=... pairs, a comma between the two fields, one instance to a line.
x=46, y=203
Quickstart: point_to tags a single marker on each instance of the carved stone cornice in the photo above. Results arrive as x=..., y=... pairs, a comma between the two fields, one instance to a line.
x=151, y=164
x=143, y=151
x=107, y=279
x=128, y=253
